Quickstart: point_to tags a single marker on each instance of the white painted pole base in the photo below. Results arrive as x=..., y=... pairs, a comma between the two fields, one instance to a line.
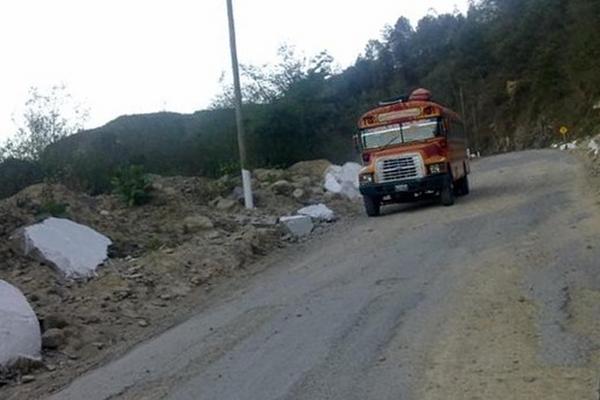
x=247, y=185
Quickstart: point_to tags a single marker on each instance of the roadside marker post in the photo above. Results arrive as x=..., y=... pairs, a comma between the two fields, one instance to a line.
x=564, y=131
x=246, y=176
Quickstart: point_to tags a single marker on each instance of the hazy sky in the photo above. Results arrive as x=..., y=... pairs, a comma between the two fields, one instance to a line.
x=134, y=56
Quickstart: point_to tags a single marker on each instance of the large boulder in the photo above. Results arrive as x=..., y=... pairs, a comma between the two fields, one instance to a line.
x=343, y=180
x=20, y=337
x=72, y=249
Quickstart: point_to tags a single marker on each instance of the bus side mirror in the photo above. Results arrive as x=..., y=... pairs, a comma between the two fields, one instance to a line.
x=356, y=139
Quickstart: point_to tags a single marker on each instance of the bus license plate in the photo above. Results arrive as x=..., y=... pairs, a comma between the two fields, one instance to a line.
x=401, y=188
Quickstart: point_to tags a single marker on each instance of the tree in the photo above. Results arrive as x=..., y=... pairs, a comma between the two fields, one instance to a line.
x=48, y=117
x=266, y=83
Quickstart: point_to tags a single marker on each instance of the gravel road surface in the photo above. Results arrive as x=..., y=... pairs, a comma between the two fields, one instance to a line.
x=497, y=297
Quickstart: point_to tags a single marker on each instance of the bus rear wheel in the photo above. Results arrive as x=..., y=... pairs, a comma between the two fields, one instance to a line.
x=447, y=192
x=372, y=206
x=462, y=186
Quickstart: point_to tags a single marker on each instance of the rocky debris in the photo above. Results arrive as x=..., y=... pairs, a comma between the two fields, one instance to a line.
x=223, y=204
x=297, y=225
x=260, y=240
x=74, y=250
x=54, y=320
x=343, y=180
x=282, y=187
x=20, y=337
x=53, y=339
x=153, y=255
x=319, y=212
x=268, y=175
x=197, y=223
x=312, y=167
x=299, y=194
x=27, y=379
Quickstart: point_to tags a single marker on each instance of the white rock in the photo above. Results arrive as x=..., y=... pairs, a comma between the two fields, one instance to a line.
x=594, y=145
x=298, y=225
x=73, y=249
x=343, y=180
x=319, y=212
x=20, y=337
x=569, y=146
x=331, y=183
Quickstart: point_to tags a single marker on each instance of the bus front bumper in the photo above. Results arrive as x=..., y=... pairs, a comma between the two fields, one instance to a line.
x=430, y=183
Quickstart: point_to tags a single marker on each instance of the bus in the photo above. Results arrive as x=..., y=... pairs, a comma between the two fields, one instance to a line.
x=412, y=148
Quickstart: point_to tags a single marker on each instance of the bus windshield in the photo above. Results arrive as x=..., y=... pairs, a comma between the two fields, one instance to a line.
x=399, y=133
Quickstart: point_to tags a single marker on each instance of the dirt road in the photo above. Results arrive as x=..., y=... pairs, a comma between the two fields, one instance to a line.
x=497, y=297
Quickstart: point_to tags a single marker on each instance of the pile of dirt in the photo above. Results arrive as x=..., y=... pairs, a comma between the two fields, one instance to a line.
x=193, y=231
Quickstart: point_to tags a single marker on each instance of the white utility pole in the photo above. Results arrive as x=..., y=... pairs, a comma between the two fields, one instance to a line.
x=246, y=178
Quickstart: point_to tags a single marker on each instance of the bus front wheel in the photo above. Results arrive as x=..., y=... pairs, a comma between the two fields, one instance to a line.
x=372, y=206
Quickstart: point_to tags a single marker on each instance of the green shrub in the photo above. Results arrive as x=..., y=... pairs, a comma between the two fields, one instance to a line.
x=54, y=209
x=229, y=168
x=50, y=206
x=132, y=185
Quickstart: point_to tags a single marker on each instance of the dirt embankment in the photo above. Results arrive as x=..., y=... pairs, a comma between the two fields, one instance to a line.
x=165, y=256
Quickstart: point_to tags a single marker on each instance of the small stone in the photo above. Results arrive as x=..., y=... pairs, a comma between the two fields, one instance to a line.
x=98, y=345
x=282, y=187
x=226, y=204
x=197, y=280
x=382, y=359
x=529, y=379
x=55, y=320
x=143, y=323
x=92, y=318
x=212, y=235
x=53, y=338
x=27, y=378
x=165, y=296
x=197, y=223
x=51, y=367
x=104, y=213
x=299, y=194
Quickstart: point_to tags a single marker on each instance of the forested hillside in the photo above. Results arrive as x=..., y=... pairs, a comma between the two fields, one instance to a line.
x=515, y=69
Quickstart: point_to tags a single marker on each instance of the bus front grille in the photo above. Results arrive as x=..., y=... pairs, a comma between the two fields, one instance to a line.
x=399, y=168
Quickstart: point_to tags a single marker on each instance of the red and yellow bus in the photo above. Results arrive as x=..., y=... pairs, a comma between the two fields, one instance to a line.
x=412, y=148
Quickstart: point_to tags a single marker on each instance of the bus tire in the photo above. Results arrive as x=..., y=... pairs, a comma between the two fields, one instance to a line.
x=447, y=192
x=372, y=206
x=463, y=185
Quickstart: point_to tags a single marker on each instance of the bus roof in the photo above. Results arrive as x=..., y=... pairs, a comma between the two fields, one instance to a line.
x=404, y=111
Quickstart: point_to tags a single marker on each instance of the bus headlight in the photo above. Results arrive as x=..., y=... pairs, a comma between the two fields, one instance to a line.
x=366, y=179
x=437, y=168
